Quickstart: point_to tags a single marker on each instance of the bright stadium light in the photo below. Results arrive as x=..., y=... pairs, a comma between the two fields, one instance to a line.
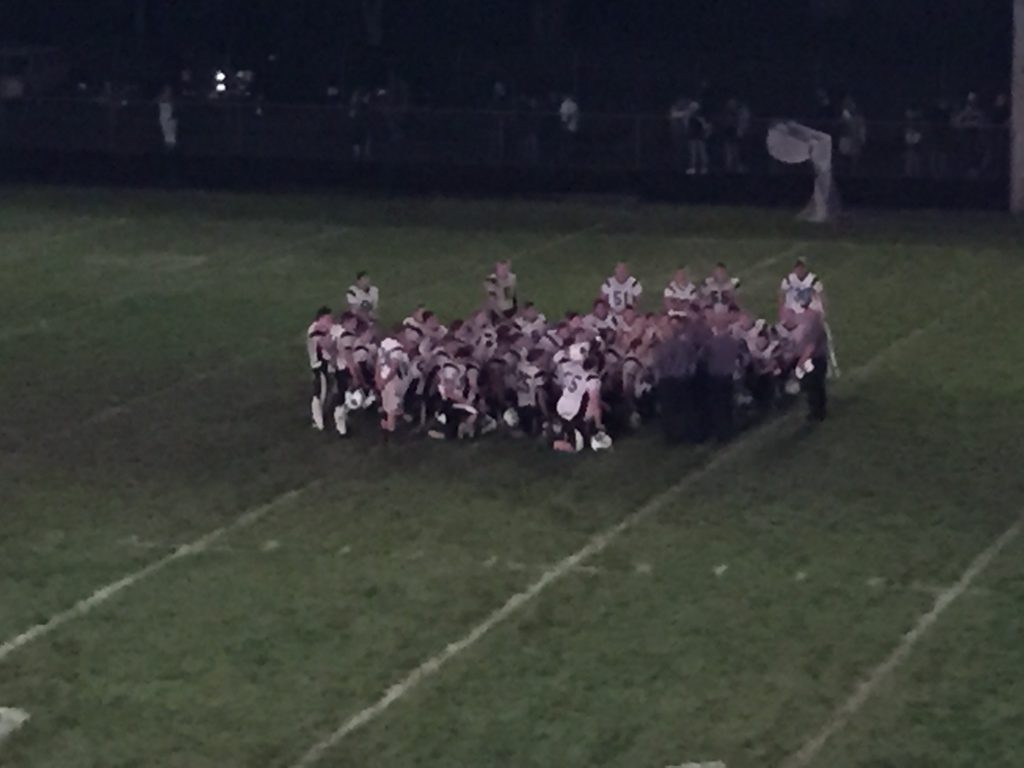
x=220, y=77
x=221, y=88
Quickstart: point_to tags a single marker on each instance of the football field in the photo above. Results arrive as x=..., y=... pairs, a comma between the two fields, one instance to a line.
x=191, y=577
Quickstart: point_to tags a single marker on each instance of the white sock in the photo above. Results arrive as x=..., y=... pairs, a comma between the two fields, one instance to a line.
x=317, y=409
x=341, y=420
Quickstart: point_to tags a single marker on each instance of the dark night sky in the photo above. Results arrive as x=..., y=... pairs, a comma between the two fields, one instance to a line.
x=622, y=53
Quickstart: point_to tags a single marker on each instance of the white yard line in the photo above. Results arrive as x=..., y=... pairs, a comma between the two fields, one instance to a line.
x=202, y=544
x=11, y=719
x=102, y=595
x=556, y=241
x=877, y=676
x=556, y=573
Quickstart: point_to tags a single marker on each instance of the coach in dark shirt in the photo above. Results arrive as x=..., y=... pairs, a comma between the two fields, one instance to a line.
x=814, y=350
x=723, y=354
x=674, y=363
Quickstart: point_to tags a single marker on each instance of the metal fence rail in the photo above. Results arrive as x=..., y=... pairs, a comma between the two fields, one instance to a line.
x=469, y=138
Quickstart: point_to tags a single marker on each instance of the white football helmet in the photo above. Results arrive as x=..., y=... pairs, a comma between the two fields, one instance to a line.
x=511, y=418
x=578, y=352
x=354, y=399
x=600, y=442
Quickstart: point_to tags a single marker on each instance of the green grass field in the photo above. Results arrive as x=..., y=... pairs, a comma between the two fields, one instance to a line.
x=492, y=604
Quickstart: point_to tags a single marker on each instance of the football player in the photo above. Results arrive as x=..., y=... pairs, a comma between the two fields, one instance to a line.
x=621, y=290
x=348, y=376
x=720, y=287
x=680, y=290
x=392, y=375
x=501, y=290
x=363, y=297
x=317, y=348
x=802, y=290
x=600, y=319
x=579, y=405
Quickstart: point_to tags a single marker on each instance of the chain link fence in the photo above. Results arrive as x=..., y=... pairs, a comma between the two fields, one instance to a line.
x=481, y=138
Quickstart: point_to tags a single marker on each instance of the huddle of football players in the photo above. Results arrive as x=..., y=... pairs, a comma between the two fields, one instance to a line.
x=575, y=382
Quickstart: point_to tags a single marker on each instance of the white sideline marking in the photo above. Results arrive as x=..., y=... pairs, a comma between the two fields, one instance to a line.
x=102, y=595
x=712, y=764
x=11, y=719
x=597, y=544
x=204, y=543
x=867, y=687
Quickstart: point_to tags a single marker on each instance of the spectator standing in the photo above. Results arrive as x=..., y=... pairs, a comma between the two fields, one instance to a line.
x=913, y=136
x=1000, y=133
x=677, y=117
x=697, y=132
x=824, y=113
x=853, y=135
x=939, y=138
x=969, y=123
x=569, y=118
x=359, y=120
x=168, y=119
x=735, y=129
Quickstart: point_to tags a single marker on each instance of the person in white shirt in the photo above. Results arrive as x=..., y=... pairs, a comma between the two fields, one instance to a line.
x=391, y=378
x=501, y=290
x=317, y=349
x=802, y=290
x=621, y=290
x=600, y=319
x=679, y=292
x=579, y=405
x=720, y=287
x=363, y=297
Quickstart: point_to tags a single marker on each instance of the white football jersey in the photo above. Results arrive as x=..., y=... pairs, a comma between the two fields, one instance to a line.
x=577, y=383
x=800, y=293
x=723, y=292
x=537, y=326
x=621, y=295
x=396, y=361
x=681, y=292
x=529, y=382
x=343, y=344
x=595, y=324
x=363, y=299
x=451, y=381
x=316, y=343
x=502, y=291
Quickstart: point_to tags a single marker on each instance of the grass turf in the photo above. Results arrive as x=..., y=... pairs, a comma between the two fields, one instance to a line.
x=154, y=389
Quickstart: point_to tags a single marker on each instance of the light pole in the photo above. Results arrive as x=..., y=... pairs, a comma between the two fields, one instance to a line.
x=1017, y=120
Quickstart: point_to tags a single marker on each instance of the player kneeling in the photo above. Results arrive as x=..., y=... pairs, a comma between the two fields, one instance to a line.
x=457, y=386
x=392, y=373
x=579, y=406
